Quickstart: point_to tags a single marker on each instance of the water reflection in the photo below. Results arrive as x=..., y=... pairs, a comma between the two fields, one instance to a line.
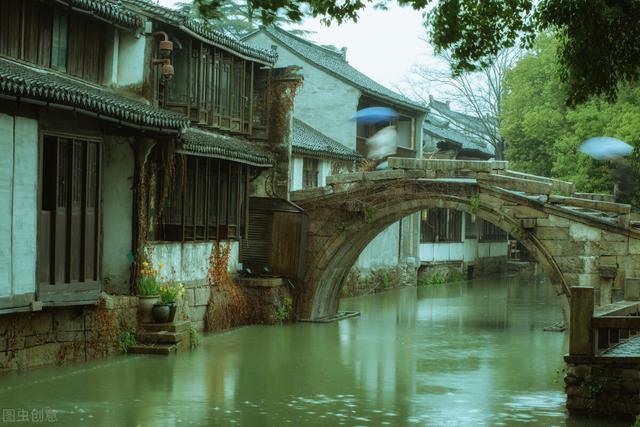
x=473, y=353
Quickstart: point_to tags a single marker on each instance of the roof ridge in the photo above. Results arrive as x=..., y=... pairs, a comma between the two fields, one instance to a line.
x=215, y=37
x=31, y=81
x=310, y=43
x=336, y=65
x=311, y=141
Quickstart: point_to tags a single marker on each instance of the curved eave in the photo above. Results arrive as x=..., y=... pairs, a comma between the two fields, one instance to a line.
x=325, y=154
x=197, y=150
x=106, y=10
x=262, y=60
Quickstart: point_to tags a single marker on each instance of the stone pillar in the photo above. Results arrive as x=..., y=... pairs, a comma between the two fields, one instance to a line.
x=581, y=342
x=282, y=91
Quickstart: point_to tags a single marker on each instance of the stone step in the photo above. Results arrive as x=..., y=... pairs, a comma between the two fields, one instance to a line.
x=163, y=337
x=182, y=326
x=159, y=349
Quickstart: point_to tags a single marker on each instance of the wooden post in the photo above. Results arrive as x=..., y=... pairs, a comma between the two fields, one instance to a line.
x=581, y=342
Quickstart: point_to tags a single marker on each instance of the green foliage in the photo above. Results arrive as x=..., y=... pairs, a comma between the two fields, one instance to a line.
x=148, y=283
x=598, y=45
x=598, y=49
x=544, y=135
x=283, y=311
x=125, y=340
x=475, y=204
x=171, y=293
x=440, y=277
x=238, y=17
x=437, y=278
x=194, y=336
x=637, y=422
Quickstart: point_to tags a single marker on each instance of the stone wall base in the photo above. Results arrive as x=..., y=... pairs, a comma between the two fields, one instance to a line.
x=483, y=267
x=379, y=280
x=602, y=389
x=82, y=333
x=61, y=335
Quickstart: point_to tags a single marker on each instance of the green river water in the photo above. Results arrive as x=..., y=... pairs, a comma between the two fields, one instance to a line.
x=466, y=354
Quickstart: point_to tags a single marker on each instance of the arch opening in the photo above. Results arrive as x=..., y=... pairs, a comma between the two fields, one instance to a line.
x=328, y=271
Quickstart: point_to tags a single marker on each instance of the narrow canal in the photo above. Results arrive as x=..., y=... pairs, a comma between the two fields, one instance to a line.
x=468, y=354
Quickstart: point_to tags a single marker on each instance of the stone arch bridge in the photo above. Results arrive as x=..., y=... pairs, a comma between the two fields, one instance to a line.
x=579, y=239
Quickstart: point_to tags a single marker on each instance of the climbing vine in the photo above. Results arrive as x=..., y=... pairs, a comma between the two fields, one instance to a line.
x=227, y=306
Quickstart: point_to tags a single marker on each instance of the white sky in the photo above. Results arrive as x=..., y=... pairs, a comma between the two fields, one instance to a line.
x=382, y=44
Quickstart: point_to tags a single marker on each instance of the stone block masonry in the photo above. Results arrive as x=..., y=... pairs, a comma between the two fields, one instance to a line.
x=60, y=335
x=596, y=386
x=77, y=334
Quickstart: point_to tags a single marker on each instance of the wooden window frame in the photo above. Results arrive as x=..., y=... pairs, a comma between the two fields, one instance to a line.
x=310, y=172
x=443, y=226
x=219, y=88
x=491, y=233
x=62, y=286
x=212, y=201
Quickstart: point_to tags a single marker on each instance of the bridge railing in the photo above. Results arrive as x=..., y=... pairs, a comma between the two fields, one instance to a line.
x=595, y=331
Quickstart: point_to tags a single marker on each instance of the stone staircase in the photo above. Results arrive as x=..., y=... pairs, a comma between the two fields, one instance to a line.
x=162, y=338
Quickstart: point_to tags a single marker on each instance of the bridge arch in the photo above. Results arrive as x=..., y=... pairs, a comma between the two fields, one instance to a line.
x=342, y=225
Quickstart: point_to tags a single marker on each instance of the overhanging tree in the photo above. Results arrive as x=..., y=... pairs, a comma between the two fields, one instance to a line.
x=478, y=93
x=599, y=39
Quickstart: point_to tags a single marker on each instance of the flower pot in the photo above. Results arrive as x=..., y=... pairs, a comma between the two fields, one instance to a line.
x=163, y=313
x=145, y=304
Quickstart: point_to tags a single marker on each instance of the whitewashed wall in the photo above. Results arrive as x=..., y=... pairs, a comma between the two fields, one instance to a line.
x=187, y=262
x=130, y=60
x=117, y=222
x=18, y=209
x=297, y=167
x=295, y=180
x=324, y=101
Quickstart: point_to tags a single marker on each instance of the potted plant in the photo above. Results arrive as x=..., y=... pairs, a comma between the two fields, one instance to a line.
x=165, y=310
x=148, y=290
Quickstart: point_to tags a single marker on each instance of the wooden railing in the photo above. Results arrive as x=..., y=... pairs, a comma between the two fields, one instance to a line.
x=594, y=331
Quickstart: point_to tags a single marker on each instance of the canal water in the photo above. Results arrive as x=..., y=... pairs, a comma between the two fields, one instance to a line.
x=466, y=354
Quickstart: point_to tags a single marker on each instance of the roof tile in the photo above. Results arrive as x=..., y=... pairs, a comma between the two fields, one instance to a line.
x=112, y=10
x=309, y=141
x=19, y=79
x=212, y=144
x=216, y=38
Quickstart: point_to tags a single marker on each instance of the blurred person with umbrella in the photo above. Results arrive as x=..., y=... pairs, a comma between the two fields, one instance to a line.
x=613, y=149
x=383, y=143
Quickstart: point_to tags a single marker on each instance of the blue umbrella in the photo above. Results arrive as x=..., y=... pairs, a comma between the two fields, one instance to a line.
x=605, y=148
x=375, y=115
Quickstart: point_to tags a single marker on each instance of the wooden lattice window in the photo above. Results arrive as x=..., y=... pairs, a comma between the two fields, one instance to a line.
x=69, y=215
x=310, y=172
x=491, y=233
x=207, y=201
x=52, y=36
x=470, y=227
x=211, y=86
x=439, y=225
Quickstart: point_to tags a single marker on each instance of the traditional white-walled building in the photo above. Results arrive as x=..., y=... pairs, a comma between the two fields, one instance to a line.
x=332, y=92
x=87, y=119
x=448, y=236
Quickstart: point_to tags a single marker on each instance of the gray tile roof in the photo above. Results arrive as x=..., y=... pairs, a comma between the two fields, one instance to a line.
x=311, y=142
x=111, y=10
x=334, y=63
x=474, y=123
x=186, y=23
x=212, y=144
x=439, y=130
x=48, y=86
